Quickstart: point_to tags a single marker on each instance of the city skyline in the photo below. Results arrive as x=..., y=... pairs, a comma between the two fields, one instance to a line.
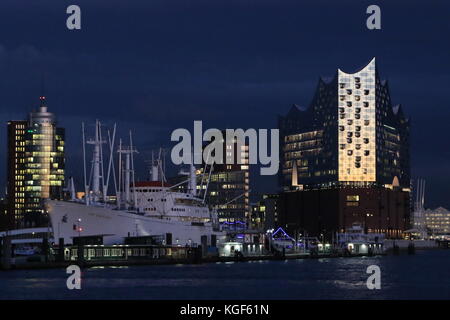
x=177, y=77
x=226, y=158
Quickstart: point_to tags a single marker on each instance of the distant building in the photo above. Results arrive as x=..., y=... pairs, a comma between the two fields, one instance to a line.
x=229, y=185
x=438, y=221
x=264, y=214
x=326, y=211
x=36, y=167
x=350, y=143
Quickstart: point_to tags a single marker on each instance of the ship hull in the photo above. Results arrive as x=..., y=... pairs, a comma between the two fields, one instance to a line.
x=71, y=219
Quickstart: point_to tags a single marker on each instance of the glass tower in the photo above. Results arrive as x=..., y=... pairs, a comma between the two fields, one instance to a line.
x=16, y=172
x=41, y=165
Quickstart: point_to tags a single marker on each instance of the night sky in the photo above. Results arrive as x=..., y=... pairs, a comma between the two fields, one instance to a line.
x=154, y=66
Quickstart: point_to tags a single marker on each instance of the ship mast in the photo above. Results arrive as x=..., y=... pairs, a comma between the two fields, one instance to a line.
x=126, y=174
x=97, y=187
x=97, y=163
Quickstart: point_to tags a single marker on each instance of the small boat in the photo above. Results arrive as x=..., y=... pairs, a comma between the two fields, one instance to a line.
x=356, y=241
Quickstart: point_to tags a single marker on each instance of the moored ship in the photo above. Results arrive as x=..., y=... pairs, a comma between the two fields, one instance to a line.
x=150, y=208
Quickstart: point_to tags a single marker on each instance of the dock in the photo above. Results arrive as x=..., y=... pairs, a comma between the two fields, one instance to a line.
x=96, y=256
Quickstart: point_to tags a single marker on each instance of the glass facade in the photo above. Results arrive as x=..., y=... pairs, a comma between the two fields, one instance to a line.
x=39, y=171
x=225, y=186
x=357, y=123
x=350, y=135
x=16, y=171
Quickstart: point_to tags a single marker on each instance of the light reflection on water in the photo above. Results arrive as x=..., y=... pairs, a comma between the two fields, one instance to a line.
x=425, y=275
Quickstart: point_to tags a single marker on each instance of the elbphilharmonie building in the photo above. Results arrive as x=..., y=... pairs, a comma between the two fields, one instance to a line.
x=351, y=139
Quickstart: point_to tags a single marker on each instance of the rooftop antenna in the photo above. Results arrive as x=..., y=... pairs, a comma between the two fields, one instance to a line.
x=42, y=97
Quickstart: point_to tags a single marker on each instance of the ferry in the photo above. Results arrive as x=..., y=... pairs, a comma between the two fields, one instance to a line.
x=356, y=241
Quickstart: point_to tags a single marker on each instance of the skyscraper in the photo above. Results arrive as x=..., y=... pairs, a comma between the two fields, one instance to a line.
x=36, y=166
x=16, y=172
x=347, y=156
x=229, y=185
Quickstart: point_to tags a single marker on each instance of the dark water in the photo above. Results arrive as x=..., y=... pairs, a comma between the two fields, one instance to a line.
x=425, y=275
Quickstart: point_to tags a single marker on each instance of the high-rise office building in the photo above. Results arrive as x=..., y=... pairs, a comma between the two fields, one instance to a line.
x=229, y=185
x=36, y=166
x=353, y=142
x=16, y=171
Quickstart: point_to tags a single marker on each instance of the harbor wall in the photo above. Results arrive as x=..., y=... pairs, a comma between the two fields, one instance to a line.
x=403, y=244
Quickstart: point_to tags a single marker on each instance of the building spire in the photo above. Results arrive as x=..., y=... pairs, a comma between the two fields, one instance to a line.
x=42, y=98
x=43, y=104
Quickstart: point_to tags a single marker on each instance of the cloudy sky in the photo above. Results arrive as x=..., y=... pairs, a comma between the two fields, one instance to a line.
x=153, y=66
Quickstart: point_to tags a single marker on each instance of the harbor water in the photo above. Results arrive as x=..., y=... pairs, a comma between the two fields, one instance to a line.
x=425, y=275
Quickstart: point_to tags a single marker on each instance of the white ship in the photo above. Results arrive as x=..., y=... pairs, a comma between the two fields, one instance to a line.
x=152, y=208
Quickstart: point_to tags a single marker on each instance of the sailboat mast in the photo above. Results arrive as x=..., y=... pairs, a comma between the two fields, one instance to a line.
x=86, y=187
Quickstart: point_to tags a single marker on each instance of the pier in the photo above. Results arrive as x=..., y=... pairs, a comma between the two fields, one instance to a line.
x=128, y=255
x=91, y=252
